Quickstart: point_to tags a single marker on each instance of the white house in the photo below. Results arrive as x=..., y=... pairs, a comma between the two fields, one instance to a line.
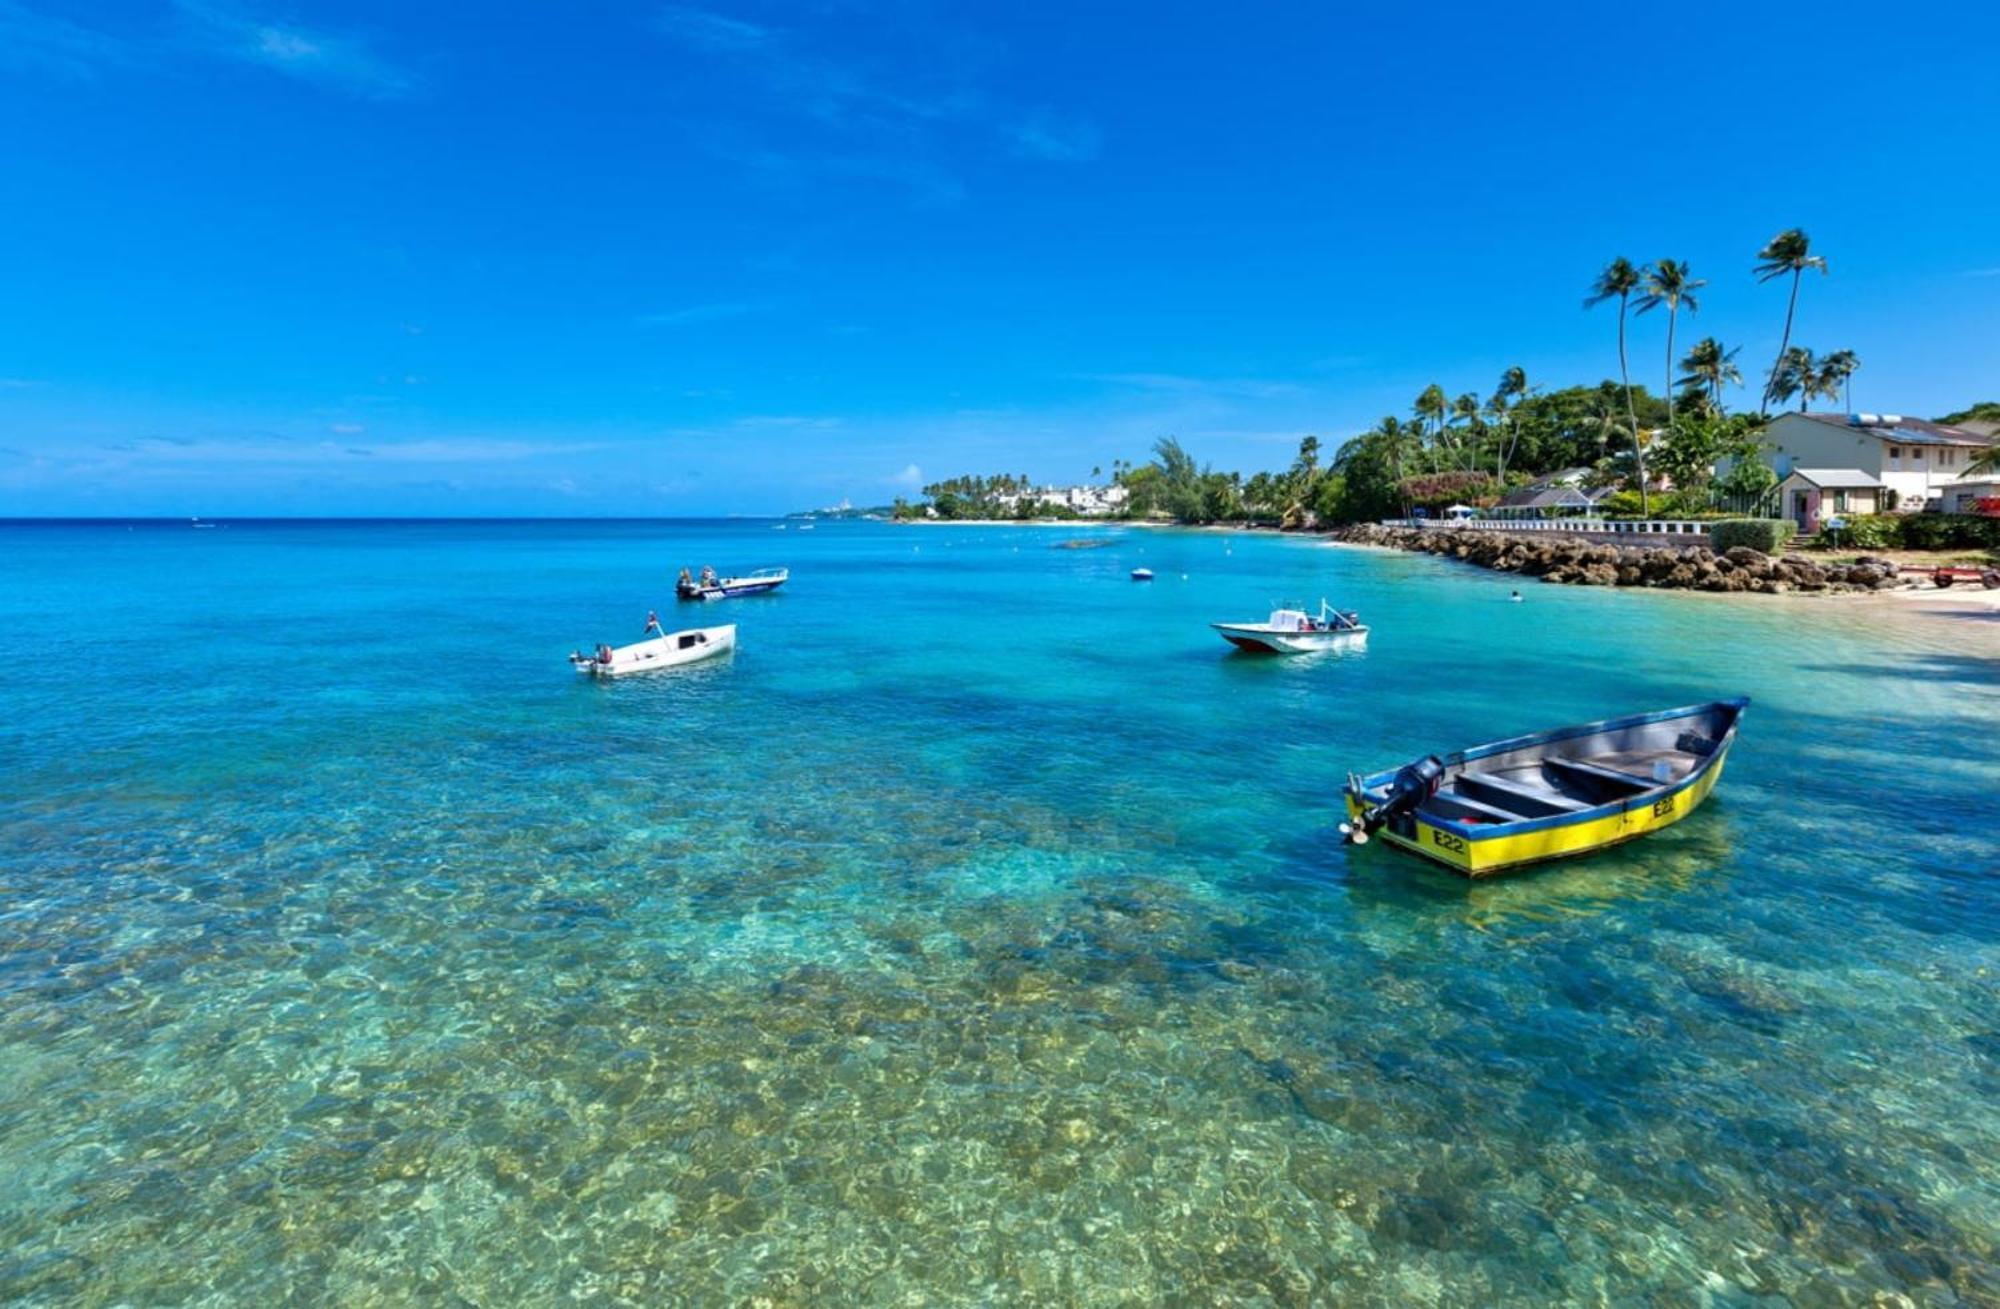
x=1915, y=462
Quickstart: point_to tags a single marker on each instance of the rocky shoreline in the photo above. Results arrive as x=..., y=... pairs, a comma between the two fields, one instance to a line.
x=1583, y=563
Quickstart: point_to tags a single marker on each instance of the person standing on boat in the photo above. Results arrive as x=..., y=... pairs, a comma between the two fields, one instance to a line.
x=653, y=625
x=686, y=580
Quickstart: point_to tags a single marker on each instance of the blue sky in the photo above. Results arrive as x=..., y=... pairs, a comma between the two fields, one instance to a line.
x=607, y=258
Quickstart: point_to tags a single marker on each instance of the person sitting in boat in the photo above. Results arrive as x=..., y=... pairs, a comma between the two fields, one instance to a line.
x=686, y=580
x=708, y=574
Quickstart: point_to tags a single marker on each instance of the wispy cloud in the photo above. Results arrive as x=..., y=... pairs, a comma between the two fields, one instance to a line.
x=275, y=449
x=894, y=127
x=343, y=62
x=19, y=383
x=911, y=478
x=1981, y=272
x=710, y=30
x=1046, y=135
x=30, y=39
x=692, y=314
x=1251, y=388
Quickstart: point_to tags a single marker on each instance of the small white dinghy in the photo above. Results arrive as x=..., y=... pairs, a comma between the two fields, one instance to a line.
x=1142, y=574
x=666, y=650
x=1294, y=631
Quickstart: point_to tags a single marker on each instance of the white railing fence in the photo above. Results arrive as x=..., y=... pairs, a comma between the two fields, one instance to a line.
x=1592, y=526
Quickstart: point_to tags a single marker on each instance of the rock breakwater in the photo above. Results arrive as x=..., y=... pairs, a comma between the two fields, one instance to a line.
x=1584, y=563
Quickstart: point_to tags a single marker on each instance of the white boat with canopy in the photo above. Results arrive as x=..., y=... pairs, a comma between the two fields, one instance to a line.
x=1291, y=630
x=664, y=650
x=708, y=586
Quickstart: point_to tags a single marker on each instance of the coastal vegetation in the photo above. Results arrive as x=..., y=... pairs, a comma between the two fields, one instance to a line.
x=1656, y=453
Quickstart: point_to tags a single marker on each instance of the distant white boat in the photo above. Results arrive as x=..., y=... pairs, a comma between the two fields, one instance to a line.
x=807, y=527
x=196, y=522
x=1142, y=574
x=1294, y=631
x=777, y=527
x=667, y=650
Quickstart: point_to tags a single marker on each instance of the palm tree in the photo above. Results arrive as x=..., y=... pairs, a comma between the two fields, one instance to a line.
x=1618, y=281
x=1432, y=406
x=1801, y=374
x=1671, y=284
x=1465, y=409
x=1709, y=365
x=1790, y=251
x=1513, y=385
x=1841, y=365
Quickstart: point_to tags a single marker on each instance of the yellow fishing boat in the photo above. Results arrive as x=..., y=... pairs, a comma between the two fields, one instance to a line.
x=1570, y=791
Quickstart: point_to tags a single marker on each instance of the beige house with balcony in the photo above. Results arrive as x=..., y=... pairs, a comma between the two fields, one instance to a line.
x=1914, y=461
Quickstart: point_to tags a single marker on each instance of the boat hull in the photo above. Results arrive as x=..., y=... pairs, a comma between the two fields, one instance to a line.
x=730, y=588
x=673, y=650
x=1483, y=849
x=1261, y=638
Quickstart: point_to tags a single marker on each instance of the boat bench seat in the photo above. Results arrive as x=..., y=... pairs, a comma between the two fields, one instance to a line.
x=1532, y=801
x=1446, y=802
x=1584, y=768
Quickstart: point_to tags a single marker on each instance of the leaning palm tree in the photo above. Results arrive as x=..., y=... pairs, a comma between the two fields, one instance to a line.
x=1790, y=251
x=1841, y=365
x=1709, y=365
x=1670, y=283
x=1617, y=282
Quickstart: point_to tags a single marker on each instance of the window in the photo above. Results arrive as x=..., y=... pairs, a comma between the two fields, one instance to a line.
x=1840, y=502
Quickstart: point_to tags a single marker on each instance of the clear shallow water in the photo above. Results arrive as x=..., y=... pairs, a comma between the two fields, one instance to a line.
x=975, y=934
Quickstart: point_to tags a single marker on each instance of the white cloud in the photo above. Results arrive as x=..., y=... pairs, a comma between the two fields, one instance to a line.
x=346, y=429
x=1046, y=135
x=328, y=59
x=912, y=477
x=1982, y=272
x=18, y=383
x=279, y=450
x=692, y=314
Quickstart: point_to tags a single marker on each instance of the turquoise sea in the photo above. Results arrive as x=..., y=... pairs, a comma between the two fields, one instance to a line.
x=976, y=934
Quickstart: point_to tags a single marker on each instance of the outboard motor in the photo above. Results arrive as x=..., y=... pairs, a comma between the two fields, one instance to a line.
x=1412, y=785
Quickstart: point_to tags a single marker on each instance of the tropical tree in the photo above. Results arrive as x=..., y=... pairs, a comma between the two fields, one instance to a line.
x=1710, y=366
x=1670, y=283
x=1513, y=385
x=1800, y=373
x=1617, y=282
x=1431, y=408
x=1840, y=366
x=1790, y=251
x=1465, y=410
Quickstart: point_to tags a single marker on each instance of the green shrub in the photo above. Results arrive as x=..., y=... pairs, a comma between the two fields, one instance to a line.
x=1949, y=532
x=1866, y=532
x=1766, y=534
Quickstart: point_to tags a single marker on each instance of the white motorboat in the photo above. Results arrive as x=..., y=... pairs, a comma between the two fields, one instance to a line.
x=1142, y=574
x=710, y=587
x=667, y=650
x=1294, y=631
